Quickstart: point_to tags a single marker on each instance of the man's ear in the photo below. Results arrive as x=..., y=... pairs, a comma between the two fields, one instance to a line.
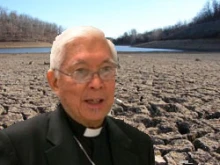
x=52, y=80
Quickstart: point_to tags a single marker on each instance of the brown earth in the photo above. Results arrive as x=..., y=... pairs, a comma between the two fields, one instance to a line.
x=24, y=44
x=195, y=45
x=173, y=97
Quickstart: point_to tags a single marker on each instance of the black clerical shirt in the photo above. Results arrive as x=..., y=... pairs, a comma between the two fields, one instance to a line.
x=98, y=148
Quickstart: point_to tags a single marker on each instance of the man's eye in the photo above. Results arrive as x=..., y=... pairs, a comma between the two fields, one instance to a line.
x=81, y=71
x=106, y=68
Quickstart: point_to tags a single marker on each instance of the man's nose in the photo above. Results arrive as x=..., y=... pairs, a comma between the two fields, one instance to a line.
x=96, y=82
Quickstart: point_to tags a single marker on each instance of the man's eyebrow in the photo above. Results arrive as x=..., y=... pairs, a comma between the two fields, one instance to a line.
x=80, y=61
x=109, y=61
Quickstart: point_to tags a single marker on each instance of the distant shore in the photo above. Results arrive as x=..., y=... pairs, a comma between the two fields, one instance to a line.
x=210, y=45
x=24, y=44
x=191, y=45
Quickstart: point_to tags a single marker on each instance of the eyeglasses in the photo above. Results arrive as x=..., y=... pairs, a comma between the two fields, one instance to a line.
x=84, y=75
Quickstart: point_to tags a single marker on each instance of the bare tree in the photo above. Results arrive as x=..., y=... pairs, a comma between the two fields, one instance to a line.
x=15, y=27
x=216, y=9
x=133, y=34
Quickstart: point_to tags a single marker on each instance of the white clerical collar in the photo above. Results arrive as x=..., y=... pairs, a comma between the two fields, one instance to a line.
x=92, y=132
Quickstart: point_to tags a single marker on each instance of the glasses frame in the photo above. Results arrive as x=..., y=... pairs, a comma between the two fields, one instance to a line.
x=115, y=66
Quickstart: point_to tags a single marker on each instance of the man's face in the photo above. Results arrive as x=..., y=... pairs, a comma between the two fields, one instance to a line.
x=87, y=103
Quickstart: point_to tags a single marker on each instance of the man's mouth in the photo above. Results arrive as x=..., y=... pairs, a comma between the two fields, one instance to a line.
x=94, y=101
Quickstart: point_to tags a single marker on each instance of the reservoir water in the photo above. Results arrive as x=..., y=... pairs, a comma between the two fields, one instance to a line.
x=47, y=50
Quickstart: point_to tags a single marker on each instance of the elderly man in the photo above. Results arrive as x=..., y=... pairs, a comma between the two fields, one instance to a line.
x=82, y=74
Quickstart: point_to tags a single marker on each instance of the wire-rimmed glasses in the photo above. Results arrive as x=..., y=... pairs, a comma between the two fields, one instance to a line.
x=84, y=75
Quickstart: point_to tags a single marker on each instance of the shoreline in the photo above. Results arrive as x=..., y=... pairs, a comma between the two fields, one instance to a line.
x=203, y=45
x=185, y=46
x=24, y=44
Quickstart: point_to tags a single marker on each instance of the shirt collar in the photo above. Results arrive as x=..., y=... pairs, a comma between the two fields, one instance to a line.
x=92, y=132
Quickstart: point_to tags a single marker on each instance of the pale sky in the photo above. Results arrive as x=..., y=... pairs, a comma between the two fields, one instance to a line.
x=114, y=17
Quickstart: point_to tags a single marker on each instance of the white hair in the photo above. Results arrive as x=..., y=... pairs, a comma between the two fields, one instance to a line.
x=59, y=45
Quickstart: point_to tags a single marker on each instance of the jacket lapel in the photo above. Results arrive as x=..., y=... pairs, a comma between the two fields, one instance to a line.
x=62, y=149
x=61, y=146
x=121, y=145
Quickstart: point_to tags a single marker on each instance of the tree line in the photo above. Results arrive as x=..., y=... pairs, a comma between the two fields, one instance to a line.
x=21, y=27
x=206, y=24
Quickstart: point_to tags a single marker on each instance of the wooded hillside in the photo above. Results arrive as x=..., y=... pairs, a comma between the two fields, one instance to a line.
x=205, y=25
x=21, y=27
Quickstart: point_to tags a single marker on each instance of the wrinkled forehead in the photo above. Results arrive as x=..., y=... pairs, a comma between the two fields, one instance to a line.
x=87, y=44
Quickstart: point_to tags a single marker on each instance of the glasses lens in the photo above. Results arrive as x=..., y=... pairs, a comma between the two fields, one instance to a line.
x=83, y=75
x=107, y=72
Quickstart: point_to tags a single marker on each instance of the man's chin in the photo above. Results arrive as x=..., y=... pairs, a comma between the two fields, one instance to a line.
x=95, y=121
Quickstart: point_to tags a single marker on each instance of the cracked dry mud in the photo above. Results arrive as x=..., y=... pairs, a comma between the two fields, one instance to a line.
x=173, y=97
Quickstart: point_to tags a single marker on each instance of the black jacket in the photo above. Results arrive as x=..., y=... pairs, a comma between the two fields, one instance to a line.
x=48, y=140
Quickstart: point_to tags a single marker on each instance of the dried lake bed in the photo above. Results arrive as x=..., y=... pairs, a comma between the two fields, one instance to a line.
x=173, y=97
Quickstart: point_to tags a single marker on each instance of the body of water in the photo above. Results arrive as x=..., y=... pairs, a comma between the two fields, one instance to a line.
x=47, y=50
x=137, y=49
